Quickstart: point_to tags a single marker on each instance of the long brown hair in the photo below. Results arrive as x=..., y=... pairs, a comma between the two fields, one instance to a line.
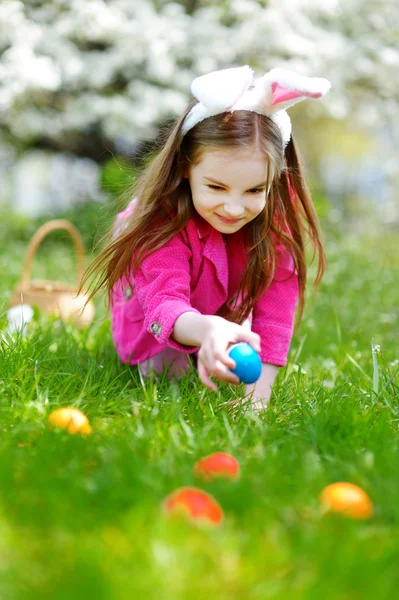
x=164, y=207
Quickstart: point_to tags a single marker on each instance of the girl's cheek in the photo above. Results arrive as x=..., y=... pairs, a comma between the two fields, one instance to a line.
x=261, y=204
x=210, y=200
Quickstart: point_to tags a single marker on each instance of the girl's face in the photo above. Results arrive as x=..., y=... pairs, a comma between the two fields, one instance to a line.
x=229, y=187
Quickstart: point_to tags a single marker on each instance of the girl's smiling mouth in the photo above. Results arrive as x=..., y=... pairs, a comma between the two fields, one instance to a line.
x=228, y=221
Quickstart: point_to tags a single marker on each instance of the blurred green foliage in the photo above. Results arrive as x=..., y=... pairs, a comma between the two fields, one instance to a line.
x=82, y=518
x=320, y=200
x=118, y=175
x=92, y=219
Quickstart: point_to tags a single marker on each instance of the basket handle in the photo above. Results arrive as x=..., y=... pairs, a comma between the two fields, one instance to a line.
x=37, y=239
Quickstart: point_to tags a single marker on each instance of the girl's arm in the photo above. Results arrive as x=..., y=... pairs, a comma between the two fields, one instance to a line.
x=193, y=329
x=260, y=391
x=213, y=335
x=190, y=328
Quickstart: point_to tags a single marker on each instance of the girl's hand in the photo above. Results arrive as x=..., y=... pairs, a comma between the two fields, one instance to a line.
x=213, y=356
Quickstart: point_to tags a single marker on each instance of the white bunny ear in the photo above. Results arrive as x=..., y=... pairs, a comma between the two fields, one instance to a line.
x=220, y=90
x=228, y=90
x=279, y=89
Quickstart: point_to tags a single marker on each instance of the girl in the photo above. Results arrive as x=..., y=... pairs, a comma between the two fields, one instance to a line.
x=211, y=251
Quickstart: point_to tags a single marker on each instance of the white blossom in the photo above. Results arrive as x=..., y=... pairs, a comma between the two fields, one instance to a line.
x=124, y=66
x=48, y=49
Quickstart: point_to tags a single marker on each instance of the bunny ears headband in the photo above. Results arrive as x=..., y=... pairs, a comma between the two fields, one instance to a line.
x=229, y=90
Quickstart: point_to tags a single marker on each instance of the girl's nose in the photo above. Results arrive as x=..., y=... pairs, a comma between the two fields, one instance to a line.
x=234, y=209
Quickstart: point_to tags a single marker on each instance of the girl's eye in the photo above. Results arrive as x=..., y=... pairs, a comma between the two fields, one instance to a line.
x=252, y=191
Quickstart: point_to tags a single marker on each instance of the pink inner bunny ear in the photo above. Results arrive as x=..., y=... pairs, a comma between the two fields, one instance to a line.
x=282, y=94
x=222, y=89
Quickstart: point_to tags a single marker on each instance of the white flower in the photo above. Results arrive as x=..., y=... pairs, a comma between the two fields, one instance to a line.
x=18, y=317
x=66, y=65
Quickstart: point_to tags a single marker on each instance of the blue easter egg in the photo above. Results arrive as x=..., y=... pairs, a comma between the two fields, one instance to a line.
x=248, y=363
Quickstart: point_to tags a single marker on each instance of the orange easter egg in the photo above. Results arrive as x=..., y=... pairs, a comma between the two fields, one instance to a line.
x=215, y=465
x=71, y=419
x=194, y=503
x=348, y=499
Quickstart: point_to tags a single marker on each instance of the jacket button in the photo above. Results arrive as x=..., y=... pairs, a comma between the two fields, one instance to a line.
x=128, y=293
x=155, y=328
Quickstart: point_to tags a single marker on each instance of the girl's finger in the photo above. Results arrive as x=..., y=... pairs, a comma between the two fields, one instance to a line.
x=251, y=338
x=223, y=356
x=223, y=373
x=206, y=360
x=204, y=377
x=217, y=362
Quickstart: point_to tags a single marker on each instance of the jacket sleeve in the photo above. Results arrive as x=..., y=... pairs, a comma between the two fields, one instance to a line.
x=274, y=313
x=162, y=287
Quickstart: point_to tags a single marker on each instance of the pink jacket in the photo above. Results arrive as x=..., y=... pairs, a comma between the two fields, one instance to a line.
x=191, y=273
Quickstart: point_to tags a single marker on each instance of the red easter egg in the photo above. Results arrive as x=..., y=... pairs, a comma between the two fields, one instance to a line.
x=194, y=503
x=219, y=464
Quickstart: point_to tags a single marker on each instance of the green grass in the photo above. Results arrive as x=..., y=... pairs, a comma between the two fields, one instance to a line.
x=81, y=517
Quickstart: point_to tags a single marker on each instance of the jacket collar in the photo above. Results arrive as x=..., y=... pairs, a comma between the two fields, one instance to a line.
x=214, y=249
x=203, y=227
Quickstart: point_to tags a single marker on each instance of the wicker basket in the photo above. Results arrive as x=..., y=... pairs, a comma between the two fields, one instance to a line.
x=53, y=297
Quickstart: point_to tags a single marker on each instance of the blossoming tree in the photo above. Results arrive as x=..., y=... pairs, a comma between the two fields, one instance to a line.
x=95, y=77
